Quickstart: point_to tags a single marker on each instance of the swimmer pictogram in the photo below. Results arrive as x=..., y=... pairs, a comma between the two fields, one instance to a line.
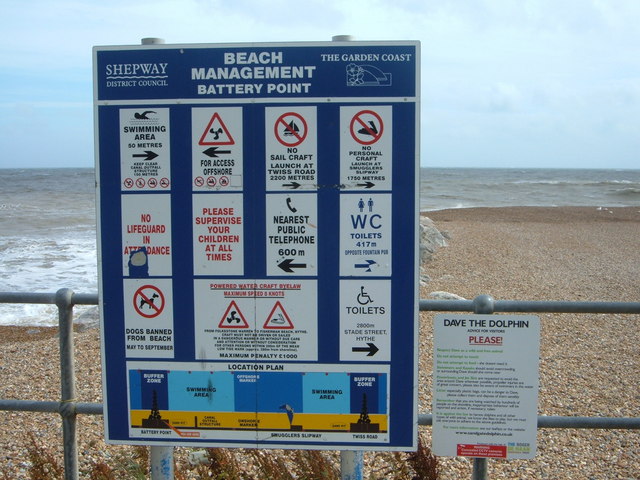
x=143, y=115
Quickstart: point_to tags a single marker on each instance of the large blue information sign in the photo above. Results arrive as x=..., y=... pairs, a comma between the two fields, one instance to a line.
x=258, y=243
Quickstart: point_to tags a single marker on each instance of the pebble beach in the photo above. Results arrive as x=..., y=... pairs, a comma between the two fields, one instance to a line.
x=589, y=363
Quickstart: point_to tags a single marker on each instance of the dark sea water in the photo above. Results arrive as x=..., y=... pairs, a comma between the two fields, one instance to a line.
x=501, y=187
x=48, y=233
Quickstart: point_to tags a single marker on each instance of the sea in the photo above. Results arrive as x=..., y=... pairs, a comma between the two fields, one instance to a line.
x=48, y=220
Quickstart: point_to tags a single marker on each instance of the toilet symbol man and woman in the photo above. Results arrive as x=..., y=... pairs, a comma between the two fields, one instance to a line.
x=369, y=205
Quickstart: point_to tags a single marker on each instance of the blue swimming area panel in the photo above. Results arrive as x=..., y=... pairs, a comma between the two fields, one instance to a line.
x=223, y=391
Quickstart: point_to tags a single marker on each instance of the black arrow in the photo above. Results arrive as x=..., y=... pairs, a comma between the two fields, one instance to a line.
x=147, y=155
x=214, y=152
x=372, y=349
x=286, y=265
x=365, y=185
x=365, y=265
x=293, y=185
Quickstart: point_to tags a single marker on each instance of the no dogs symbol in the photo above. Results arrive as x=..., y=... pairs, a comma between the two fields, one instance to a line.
x=148, y=301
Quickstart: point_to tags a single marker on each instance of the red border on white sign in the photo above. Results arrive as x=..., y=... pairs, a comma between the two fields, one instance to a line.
x=203, y=139
x=282, y=122
x=241, y=322
x=281, y=322
x=365, y=126
x=148, y=300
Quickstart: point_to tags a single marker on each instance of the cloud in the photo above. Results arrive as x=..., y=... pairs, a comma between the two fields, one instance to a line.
x=495, y=74
x=504, y=97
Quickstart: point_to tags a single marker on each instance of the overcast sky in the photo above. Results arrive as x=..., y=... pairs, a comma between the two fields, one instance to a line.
x=505, y=83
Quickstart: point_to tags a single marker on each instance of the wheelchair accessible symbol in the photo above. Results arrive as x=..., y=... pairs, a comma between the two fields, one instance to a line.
x=366, y=127
x=363, y=297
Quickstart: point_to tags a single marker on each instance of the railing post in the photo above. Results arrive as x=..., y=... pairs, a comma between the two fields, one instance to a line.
x=482, y=304
x=480, y=467
x=67, y=410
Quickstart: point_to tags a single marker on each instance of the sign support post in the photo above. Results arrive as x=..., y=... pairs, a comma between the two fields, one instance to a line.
x=160, y=458
x=351, y=461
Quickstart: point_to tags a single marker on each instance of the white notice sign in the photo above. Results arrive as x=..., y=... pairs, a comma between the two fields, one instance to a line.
x=292, y=231
x=256, y=320
x=291, y=148
x=146, y=235
x=485, y=386
x=365, y=147
x=144, y=149
x=365, y=234
x=365, y=322
x=216, y=141
x=148, y=317
x=218, y=234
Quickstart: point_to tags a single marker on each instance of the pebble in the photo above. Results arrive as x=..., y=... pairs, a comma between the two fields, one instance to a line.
x=588, y=367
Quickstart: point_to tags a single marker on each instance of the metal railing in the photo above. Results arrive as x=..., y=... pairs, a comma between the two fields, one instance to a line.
x=68, y=408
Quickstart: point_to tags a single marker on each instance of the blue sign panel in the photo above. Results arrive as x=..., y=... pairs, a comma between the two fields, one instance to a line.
x=258, y=219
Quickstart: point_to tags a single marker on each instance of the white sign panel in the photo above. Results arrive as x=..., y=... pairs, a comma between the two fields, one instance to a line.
x=292, y=234
x=144, y=149
x=256, y=320
x=366, y=147
x=485, y=387
x=365, y=321
x=291, y=148
x=365, y=234
x=148, y=318
x=218, y=234
x=216, y=142
x=146, y=235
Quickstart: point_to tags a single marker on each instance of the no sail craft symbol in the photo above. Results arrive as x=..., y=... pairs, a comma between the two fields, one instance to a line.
x=290, y=129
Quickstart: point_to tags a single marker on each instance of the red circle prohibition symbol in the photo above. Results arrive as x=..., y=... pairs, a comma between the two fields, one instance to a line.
x=140, y=182
x=198, y=181
x=128, y=182
x=362, y=127
x=297, y=137
x=141, y=300
x=164, y=182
